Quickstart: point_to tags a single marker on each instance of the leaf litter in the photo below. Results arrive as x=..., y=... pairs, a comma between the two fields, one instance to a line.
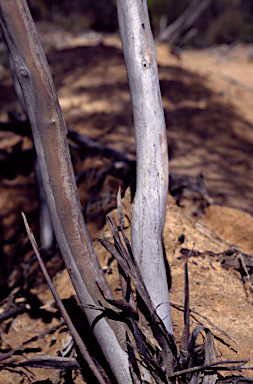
x=187, y=354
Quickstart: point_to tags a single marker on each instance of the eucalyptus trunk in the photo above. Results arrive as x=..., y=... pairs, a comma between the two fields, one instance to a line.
x=149, y=205
x=49, y=133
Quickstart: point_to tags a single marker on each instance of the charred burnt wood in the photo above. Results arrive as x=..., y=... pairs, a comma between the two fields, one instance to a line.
x=95, y=148
x=122, y=167
x=13, y=312
x=22, y=128
x=179, y=185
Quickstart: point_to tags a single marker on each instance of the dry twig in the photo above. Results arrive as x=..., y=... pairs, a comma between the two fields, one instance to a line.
x=83, y=349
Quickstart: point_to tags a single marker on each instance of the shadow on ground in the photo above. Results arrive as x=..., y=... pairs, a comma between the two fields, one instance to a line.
x=205, y=133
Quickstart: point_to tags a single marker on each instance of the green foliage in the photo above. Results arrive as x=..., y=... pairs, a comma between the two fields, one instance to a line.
x=76, y=23
x=223, y=22
x=230, y=26
x=77, y=15
x=39, y=9
x=230, y=2
x=170, y=8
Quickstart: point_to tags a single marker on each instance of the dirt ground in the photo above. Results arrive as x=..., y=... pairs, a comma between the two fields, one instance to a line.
x=207, y=97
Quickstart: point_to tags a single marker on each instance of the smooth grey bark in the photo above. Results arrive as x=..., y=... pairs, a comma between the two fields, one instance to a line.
x=46, y=229
x=49, y=133
x=149, y=205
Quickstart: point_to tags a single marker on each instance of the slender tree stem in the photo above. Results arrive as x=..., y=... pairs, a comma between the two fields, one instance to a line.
x=149, y=206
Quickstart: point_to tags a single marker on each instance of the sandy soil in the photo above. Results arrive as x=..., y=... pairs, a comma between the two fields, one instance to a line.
x=207, y=98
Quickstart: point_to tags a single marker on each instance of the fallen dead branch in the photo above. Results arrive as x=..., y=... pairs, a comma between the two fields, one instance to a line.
x=212, y=367
x=23, y=307
x=4, y=356
x=181, y=307
x=51, y=362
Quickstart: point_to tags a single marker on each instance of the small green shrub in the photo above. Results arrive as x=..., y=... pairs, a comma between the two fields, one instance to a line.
x=230, y=26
